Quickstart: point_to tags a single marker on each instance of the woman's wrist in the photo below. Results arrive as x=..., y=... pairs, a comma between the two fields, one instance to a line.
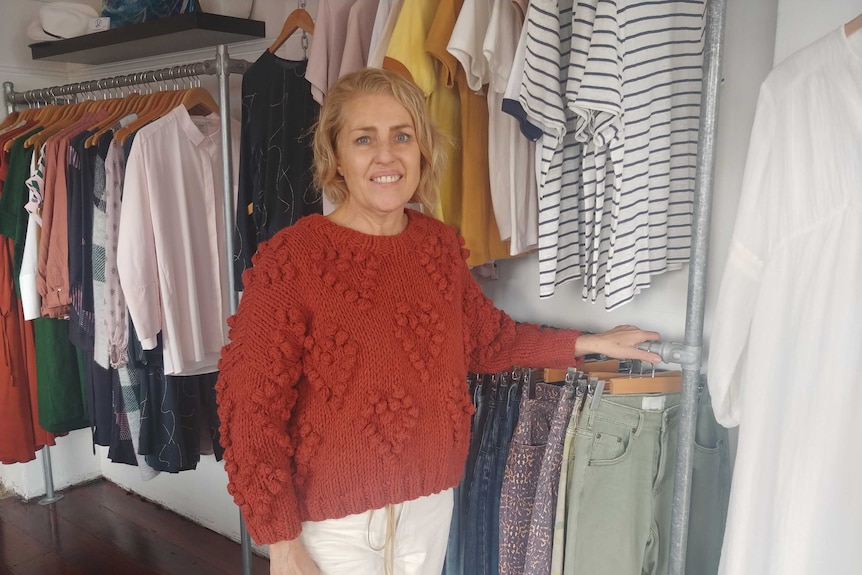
x=584, y=344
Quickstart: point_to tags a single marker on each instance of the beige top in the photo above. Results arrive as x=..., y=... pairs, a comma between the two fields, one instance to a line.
x=327, y=46
x=357, y=42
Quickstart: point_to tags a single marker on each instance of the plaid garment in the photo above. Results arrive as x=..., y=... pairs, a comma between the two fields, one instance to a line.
x=108, y=297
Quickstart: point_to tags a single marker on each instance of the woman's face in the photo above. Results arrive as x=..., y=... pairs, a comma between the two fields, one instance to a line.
x=378, y=155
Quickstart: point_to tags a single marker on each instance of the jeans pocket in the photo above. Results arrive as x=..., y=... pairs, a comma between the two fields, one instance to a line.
x=610, y=448
x=708, y=449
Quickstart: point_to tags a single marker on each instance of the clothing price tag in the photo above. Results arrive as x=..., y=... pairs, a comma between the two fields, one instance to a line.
x=99, y=25
x=653, y=402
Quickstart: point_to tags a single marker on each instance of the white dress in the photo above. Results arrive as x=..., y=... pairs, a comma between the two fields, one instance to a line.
x=786, y=353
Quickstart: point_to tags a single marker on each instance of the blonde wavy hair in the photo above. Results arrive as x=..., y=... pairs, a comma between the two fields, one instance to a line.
x=376, y=81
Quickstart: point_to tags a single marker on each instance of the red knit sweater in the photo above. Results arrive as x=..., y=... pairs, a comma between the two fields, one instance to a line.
x=344, y=386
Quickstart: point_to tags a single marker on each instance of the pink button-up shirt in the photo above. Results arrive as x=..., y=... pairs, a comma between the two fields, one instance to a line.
x=171, y=254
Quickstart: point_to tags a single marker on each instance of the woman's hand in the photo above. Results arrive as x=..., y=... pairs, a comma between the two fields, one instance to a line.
x=290, y=558
x=619, y=343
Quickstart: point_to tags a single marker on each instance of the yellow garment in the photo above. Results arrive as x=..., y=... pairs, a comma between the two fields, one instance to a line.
x=478, y=224
x=406, y=55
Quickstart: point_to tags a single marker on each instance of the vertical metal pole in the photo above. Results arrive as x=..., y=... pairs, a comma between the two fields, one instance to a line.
x=223, y=61
x=697, y=280
x=48, y=472
x=8, y=90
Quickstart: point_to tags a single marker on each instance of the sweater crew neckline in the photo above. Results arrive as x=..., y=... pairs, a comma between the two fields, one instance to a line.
x=342, y=234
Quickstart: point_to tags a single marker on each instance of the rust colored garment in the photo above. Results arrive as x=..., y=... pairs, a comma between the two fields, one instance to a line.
x=20, y=434
x=344, y=387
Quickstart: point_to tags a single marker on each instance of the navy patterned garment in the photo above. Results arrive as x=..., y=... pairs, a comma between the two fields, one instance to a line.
x=125, y=12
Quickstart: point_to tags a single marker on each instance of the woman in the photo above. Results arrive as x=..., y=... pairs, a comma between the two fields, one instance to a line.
x=344, y=407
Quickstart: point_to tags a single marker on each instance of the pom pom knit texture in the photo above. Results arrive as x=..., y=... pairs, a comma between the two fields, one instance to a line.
x=344, y=388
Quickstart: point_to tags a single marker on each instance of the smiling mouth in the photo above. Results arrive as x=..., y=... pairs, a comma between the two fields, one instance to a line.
x=386, y=179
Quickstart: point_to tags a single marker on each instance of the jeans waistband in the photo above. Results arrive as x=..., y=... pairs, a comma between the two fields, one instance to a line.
x=630, y=411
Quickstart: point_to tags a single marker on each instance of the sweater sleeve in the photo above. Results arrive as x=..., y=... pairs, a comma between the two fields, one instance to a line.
x=495, y=342
x=259, y=370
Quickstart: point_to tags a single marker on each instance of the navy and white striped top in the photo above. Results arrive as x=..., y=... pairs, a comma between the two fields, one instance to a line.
x=615, y=89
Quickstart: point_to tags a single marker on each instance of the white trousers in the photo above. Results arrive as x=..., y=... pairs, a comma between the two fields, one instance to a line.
x=354, y=545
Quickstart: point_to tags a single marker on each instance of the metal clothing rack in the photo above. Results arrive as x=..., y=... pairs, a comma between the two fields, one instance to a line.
x=222, y=66
x=689, y=353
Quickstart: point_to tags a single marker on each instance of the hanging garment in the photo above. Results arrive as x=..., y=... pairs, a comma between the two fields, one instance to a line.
x=615, y=92
x=275, y=157
x=384, y=23
x=481, y=540
x=30, y=298
x=540, y=540
x=174, y=413
x=639, y=96
x=784, y=358
x=478, y=225
x=171, y=244
x=110, y=350
x=81, y=177
x=13, y=217
x=60, y=372
x=411, y=51
x=523, y=466
x=535, y=97
x=357, y=42
x=115, y=323
x=620, y=486
x=120, y=446
x=54, y=273
x=59, y=379
x=328, y=46
x=510, y=154
x=558, y=541
x=20, y=433
x=710, y=492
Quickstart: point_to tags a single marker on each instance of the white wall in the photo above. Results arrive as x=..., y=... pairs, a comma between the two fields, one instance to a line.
x=801, y=22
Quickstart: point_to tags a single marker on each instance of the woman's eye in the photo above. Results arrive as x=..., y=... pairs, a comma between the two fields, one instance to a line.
x=402, y=137
x=363, y=140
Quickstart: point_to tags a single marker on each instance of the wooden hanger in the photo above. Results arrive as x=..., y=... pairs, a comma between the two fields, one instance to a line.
x=9, y=121
x=606, y=365
x=853, y=26
x=161, y=104
x=125, y=107
x=624, y=384
x=72, y=114
x=299, y=19
x=28, y=115
x=199, y=102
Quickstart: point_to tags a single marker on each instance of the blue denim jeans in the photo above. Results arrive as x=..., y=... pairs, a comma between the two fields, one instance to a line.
x=477, y=533
x=454, y=564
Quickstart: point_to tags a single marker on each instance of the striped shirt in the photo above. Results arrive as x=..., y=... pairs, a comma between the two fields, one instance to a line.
x=638, y=85
x=615, y=90
x=546, y=42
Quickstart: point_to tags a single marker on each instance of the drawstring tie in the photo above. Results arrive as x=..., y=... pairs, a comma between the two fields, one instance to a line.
x=388, y=542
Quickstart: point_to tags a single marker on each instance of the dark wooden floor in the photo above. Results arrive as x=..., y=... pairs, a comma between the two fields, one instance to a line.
x=100, y=529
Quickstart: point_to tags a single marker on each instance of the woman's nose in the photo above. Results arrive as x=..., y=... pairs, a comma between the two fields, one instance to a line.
x=385, y=152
